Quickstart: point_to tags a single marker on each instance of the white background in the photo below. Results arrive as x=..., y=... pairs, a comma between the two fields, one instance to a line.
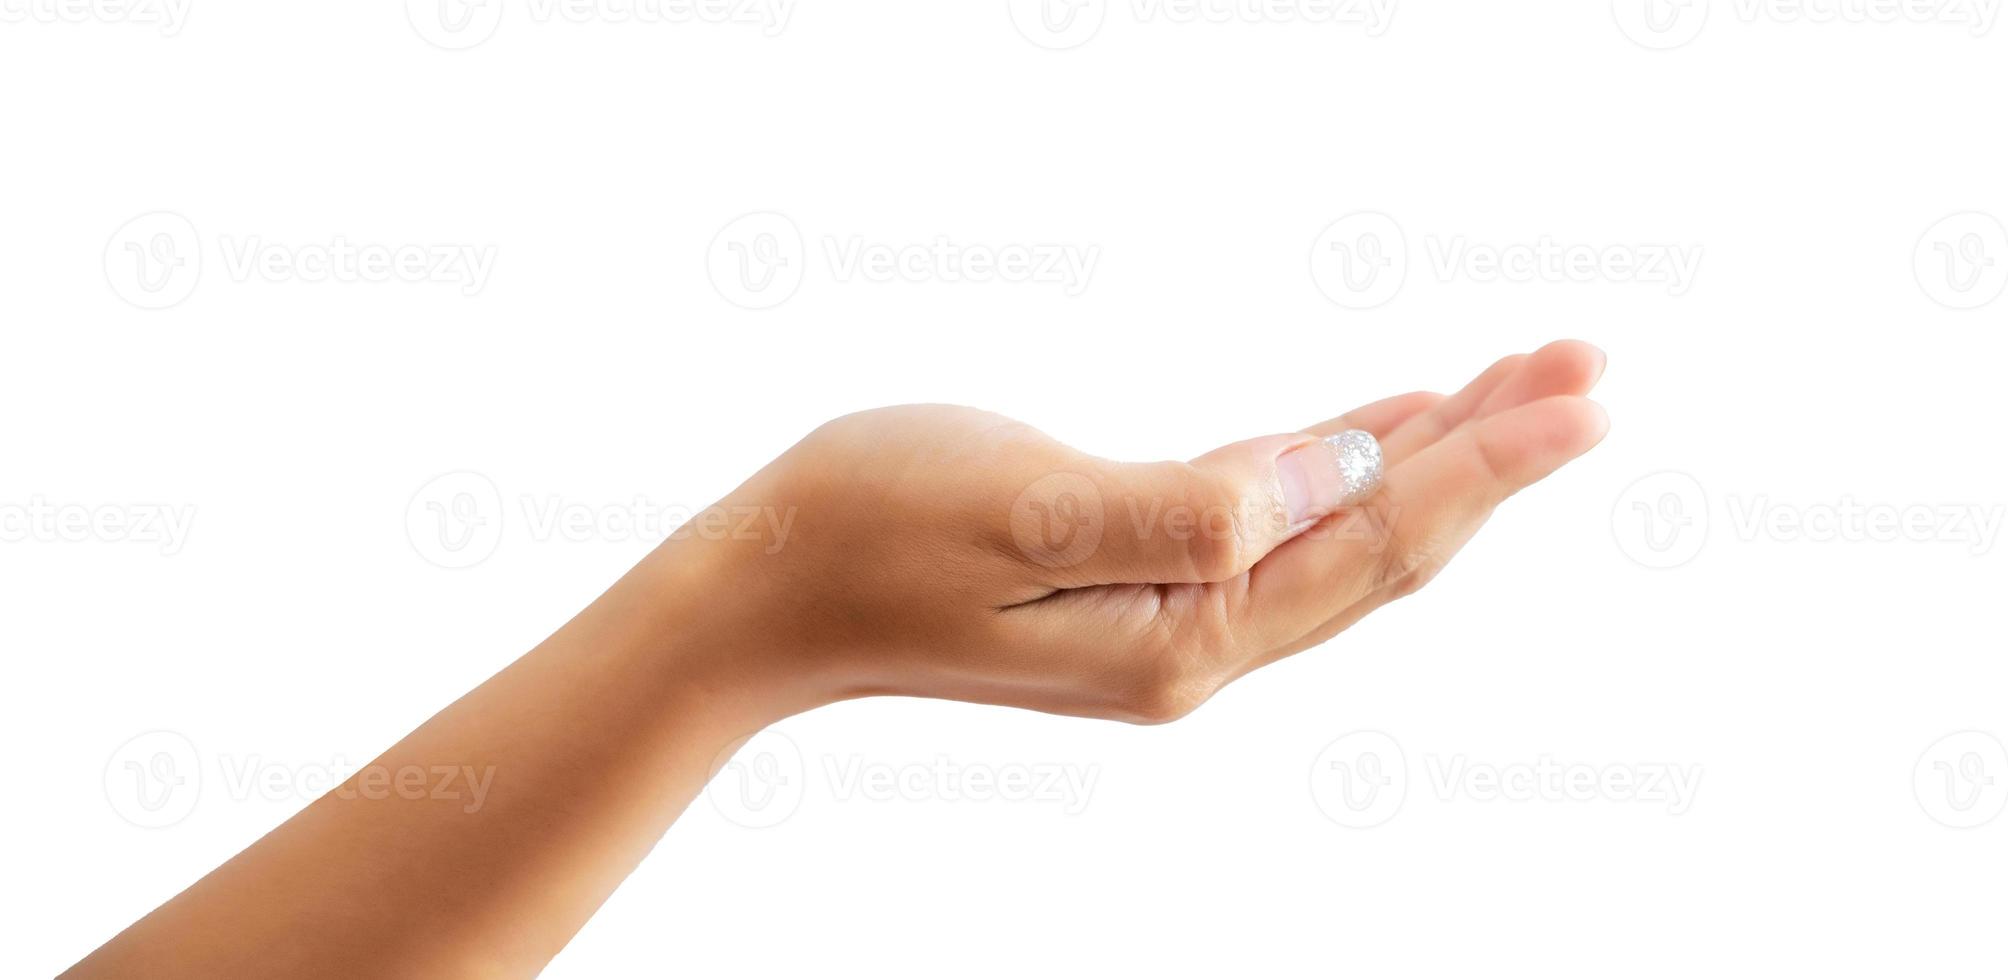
x=1803, y=665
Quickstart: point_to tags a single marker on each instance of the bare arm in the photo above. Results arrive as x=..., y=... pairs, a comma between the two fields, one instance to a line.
x=482, y=842
x=930, y=551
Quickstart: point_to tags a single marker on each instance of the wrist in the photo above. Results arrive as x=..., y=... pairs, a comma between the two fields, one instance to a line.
x=683, y=627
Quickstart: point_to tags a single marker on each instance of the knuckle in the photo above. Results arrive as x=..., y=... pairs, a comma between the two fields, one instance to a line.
x=1163, y=689
x=1217, y=544
x=1401, y=552
x=1214, y=556
x=1410, y=558
x=1163, y=707
x=1491, y=463
x=1421, y=574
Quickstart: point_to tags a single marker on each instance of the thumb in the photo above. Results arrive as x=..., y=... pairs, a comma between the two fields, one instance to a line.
x=1213, y=518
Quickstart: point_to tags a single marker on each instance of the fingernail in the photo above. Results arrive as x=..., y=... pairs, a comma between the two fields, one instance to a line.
x=1328, y=474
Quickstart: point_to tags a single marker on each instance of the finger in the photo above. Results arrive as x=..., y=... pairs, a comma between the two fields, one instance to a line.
x=1204, y=521
x=1411, y=436
x=1381, y=417
x=1170, y=565
x=1564, y=367
x=1428, y=507
x=1324, y=631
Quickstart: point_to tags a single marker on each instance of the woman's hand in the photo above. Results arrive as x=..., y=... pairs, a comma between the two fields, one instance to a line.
x=944, y=552
x=929, y=551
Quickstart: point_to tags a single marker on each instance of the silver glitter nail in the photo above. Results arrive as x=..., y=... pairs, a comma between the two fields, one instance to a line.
x=1358, y=455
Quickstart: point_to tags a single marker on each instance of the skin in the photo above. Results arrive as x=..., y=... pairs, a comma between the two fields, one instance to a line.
x=919, y=561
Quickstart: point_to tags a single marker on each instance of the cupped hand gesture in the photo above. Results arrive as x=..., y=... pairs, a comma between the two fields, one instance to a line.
x=946, y=552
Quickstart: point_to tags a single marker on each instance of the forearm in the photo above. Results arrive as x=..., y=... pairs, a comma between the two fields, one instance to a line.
x=480, y=843
x=930, y=551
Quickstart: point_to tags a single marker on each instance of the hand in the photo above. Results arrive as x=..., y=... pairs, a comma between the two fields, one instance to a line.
x=929, y=551
x=939, y=551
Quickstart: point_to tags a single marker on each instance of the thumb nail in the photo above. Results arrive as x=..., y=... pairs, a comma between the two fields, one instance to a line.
x=1333, y=472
